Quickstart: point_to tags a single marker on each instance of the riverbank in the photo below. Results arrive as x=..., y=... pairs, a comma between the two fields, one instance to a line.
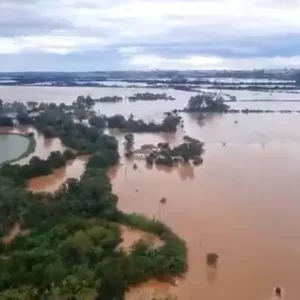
x=30, y=149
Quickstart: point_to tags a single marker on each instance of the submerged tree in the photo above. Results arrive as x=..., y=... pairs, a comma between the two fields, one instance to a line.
x=207, y=102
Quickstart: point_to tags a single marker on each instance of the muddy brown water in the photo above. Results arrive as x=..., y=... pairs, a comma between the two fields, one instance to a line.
x=51, y=183
x=44, y=146
x=130, y=236
x=243, y=203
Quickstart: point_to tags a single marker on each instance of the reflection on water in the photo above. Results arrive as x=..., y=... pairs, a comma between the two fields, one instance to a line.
x=243, y=204
x=12, y=146
x=50, y=183
x=140, y=109
x=144, y=109
x=43, y=146
x=211, y=274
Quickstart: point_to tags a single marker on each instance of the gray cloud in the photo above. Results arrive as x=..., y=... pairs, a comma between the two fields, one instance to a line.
x=29, y=17
x=166, y=29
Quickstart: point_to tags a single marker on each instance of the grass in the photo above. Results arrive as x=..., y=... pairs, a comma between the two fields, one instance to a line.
x=30, y=149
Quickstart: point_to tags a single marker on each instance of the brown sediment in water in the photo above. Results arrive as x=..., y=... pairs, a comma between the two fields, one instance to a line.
x=13, y=233
x=50, y=183
x=242, y=204
x=131, y=236
x=152, y=289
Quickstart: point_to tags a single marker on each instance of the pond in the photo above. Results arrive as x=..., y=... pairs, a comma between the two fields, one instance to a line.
x=12, y=146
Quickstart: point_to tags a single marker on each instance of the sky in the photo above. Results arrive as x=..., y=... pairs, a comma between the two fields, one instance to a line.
x=90, y=35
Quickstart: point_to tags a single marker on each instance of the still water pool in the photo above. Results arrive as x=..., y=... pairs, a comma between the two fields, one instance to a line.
x=12, y=146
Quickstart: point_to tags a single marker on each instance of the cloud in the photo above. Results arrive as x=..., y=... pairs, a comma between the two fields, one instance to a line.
x=213, y=62
x=184, y=33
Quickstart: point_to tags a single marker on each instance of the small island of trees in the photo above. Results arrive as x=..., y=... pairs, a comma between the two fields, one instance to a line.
x=88, y=100
x=206, y=102
x=169, y=124
x=163, y=154
x=150, y=97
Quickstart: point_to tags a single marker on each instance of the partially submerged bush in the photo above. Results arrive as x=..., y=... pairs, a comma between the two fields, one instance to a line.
x=212, y=259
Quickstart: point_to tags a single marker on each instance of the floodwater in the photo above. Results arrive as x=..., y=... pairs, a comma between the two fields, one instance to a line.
x=12, y=146
x=131, y=236
x=145, y=109
x=43, y=146
x=243, y=203
x=51, y=183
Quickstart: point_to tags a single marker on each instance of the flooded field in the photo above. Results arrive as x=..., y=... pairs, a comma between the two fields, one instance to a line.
x=242, y=203
x=146, y=109
x=69, y=94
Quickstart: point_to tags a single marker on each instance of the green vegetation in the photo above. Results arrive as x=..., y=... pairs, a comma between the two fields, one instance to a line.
x=149, y=97
x=191, y=149
x=36, y=167
x=115, y=99
x=129, y=142
x=212, y=259
x=6, y=121
x=92, y=101
x=206, y=102
x=30, y=149
x=72, y=246
x=109, y=99
x=169, y=124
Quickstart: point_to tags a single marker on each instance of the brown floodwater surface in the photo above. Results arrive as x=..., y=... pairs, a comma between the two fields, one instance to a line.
x=51, y=183
x=243, y=203
x=130, y=236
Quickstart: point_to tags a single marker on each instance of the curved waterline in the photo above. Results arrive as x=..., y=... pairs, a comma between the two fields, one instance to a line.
x=30, y=148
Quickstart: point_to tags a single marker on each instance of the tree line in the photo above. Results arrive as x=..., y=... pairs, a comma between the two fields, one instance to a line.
x=54, y=120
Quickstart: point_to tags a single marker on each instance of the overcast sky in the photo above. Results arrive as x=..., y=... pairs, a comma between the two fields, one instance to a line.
x=84, y=35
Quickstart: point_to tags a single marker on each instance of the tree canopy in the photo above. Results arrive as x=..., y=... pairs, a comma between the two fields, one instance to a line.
x=69, y=244
x=206, y=102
